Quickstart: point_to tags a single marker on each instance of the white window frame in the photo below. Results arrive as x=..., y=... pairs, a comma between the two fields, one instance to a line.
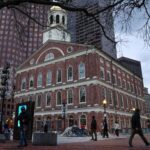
x=48, y=77
x=58, y=76
x=108, y=73
x=23, y=82
x=82, y=87
x=68, y=96
x=81, y=70
x=37, y=100
x=57, y=98
x=71, y=79
x=31, y=79
x=39, y=79
x=49, y=56
x=50, y=99
x=102, y=70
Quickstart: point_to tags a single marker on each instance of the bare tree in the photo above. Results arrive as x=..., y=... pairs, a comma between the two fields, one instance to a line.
x=124, y=10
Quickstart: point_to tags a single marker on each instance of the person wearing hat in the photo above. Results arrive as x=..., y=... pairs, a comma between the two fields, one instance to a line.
x=24, y=120
x=136, y=127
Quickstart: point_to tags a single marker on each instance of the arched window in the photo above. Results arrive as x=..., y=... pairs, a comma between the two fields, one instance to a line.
x=71, y=121
x=38, y=101
x=83, y=120
x=31, y=82
x=48, y=99
x=57, y=18
x=70, y=74
x=39, y=79
x=82, y=94
x=70, y=96
x=59, y=75
x=63, y=20
x=48, y=77
x=23, y=84
x=49, y=56
x=59, y=98
x=51, y=19
x=81, y=69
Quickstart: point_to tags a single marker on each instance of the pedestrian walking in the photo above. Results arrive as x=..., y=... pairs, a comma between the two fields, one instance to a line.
x=24, y=120
x=136, y=127
x=94, y=128
x=105, y=130
x=116, y=127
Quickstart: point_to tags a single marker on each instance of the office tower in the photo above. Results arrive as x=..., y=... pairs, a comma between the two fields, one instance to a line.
x=20, y=35
x=86, y=30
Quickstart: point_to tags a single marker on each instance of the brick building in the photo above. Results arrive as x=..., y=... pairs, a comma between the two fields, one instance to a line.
x=79, y=75
x=20, y=36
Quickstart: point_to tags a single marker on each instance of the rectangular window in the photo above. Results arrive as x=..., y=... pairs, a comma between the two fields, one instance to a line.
x=102, y=75
x=109, y=96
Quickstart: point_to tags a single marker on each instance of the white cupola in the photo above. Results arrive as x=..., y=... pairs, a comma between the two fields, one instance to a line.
x=57, y=22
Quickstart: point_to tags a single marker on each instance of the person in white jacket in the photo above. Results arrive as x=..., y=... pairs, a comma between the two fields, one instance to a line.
x=116, y=127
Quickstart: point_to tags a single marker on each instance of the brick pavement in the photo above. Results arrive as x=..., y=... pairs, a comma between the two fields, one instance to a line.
x=108, y=144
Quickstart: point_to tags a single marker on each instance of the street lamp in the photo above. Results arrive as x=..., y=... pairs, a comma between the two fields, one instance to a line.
x=133, y=109
x=64, y=113
x=104, y=104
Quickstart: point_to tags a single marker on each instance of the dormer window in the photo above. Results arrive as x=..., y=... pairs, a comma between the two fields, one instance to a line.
x=49, y=56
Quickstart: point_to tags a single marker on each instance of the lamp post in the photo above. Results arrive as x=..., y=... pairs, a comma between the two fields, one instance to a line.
x=104, y=104
x=64, y=113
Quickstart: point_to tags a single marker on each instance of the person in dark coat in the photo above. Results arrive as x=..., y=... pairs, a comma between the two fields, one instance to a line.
x=24, y=120
x=136, y=127
x=105, y=128
x=94, y=128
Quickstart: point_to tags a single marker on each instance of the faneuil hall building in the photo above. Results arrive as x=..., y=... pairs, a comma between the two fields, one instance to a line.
x=79, y=76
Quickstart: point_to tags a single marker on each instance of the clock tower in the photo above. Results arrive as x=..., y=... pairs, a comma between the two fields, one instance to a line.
x=57, y=25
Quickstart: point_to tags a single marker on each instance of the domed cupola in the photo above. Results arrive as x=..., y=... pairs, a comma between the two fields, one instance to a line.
x=57, y=22
x=57, y=16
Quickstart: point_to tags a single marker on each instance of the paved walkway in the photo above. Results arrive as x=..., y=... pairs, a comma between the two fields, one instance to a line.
x=79, y=143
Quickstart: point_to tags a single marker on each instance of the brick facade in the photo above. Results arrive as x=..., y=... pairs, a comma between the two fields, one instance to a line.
x=104, y=78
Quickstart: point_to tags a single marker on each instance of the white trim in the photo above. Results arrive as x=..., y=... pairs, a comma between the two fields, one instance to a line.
x=78, y=84
x=55, y=60
x=85, y=110
x=56, y=48
x=74, y=55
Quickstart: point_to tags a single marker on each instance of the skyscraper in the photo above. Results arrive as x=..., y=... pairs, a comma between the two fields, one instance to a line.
x=20, y=35
x=86, y=30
